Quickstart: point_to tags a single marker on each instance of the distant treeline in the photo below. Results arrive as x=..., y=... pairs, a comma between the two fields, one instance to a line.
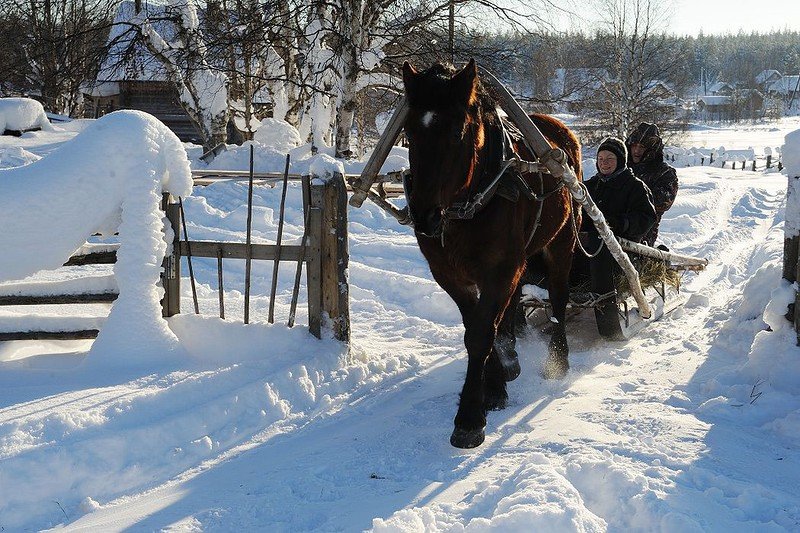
x=736, y=59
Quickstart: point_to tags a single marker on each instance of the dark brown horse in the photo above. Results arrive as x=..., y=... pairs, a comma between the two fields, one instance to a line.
x=478, y=230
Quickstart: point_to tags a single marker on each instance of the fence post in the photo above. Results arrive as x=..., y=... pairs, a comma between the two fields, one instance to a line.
x=313, y=257
x=171, y=273
x=328, y=286
x=336, y=258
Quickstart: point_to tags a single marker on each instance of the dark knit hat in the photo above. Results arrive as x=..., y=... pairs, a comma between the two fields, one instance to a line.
x=616, y=147
x=647, y=135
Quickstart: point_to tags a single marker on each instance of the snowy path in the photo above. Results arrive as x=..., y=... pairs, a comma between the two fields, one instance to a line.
x=622, y=444
x=267, y=428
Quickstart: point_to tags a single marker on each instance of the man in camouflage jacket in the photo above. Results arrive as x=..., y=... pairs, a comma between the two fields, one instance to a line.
x=646, y=159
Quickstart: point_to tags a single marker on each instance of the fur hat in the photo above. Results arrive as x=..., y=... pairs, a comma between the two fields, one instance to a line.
x=616, y=147
x=647, y=135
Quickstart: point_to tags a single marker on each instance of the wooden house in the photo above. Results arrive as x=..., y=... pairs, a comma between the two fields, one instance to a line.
x=130, y=78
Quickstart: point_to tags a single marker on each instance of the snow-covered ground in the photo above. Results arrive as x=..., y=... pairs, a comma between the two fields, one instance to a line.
x=694, y=425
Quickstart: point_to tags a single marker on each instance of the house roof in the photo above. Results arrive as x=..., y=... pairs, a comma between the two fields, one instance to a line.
x=128, y=60
x=784, y=85
x=714, y=100
x=719, y=86
x=765, y=75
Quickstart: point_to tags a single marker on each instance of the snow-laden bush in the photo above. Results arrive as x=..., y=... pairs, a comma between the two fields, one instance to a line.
x=21, y=114
x=277, y=134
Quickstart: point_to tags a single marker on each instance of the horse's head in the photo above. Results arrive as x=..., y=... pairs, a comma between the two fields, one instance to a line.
x=444, y=133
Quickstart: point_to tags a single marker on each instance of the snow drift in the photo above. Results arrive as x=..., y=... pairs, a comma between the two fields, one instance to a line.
x=109, y=177
x=22, y=114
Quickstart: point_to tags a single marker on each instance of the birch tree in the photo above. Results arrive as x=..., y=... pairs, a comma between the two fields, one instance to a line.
x=202, y=89
x=637, y=54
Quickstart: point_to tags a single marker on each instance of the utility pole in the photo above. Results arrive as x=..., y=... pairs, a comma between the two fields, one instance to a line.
x=794, y=93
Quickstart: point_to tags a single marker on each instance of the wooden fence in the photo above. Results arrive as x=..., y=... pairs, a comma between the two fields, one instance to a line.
x=323, y=252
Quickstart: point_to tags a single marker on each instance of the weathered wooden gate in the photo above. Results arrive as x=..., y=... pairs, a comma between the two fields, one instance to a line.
x=323, y=251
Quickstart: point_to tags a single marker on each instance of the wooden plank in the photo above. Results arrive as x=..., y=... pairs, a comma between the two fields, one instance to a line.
x=277, y=262
x=791, y=246
x=94, y=258
x=49, y=335
x=313, y=260
x=188, y=256
x=303, y=248
x=59, y=299
x=220, y=286
x=363, y=183
x=238, y=250
x=171, y=276
x=248, y=248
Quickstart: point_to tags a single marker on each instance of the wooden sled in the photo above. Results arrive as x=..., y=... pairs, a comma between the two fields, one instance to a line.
x=627, y=321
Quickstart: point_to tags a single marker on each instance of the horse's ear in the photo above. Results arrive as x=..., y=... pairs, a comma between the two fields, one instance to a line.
x=465, y=81
x=409, y=75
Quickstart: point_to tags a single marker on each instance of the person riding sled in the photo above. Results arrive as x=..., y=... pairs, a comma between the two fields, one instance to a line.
x=646, y=159
x=626, y=204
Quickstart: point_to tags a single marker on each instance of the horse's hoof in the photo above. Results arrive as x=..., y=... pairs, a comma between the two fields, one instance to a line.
x=555, y=367
x=510, y=364
x=466, y=439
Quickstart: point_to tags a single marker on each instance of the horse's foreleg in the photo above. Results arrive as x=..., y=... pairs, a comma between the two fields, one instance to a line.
x=558, y=258
x=506, y=341
x=479, y=338
x=503, y=362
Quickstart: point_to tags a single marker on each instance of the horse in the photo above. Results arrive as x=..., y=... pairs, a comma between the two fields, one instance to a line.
x=478, y=222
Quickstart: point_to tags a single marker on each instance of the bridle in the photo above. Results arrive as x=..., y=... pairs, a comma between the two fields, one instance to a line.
x=505, y=181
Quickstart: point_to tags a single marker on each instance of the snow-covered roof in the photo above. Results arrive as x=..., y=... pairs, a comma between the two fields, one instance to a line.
x=720, y=86
x=658, y=86
x=766, y=75
x=714, y=100
x=784, y=85
x=138, y=64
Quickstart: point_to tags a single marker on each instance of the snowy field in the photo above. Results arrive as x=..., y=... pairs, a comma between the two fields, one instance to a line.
x=694, y=425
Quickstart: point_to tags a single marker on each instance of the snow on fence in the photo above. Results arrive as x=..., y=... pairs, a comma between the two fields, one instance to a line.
x=51, y=206
x=747, y=159
x=791, y=242
x=323, y=251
